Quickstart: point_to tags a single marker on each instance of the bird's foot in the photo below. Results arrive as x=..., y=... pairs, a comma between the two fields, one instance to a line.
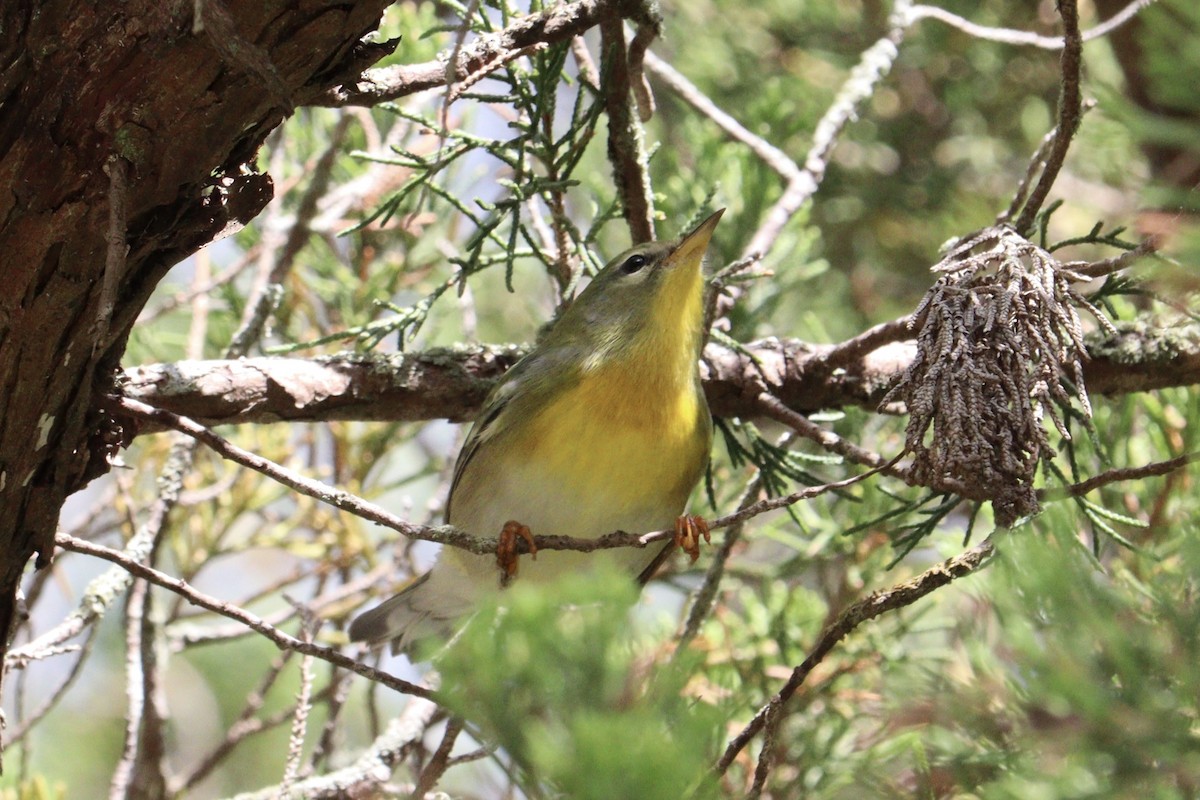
x=506, y=552
x=688, y=530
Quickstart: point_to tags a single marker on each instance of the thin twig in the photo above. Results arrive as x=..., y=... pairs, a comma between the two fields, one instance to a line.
x=295, y=752
x=870, y=607
x=1031, y=172
x=874, y=64
x=1036, y=163
x=198, y=288
x=588, y=74
x=771, y=504
x=638, y=47
x=139, y=753
x=474, y=755
x=338, y=691
x=277, y=637
x=201, y=304
x=763, y=768
x=460, y=38
x=27, y=723
x=1069, y=111
x=440, y=760
x=278, y=261
x=1118, y=475
x=1016, y=37
x=150, y=767
x=183, y=635
x=773, y=407
x=244, y=726
x=303, y=484
x=306, y=210
x=1107, y=266
x=687, y=91
x=134, y=700
x=482, y=545
x=704, y=597
x=464, y=86
x=366, y=776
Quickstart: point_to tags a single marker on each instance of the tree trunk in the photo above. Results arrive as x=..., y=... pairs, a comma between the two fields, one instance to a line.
x=128, y=136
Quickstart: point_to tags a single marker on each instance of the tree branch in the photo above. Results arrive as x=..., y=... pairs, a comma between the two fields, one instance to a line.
x=451, y=384
x=1117, y=476
x=1015, y=37
x=366, y=776
x=873, y=66
x=626, y=151
x=870, y=607
x=557, y=24
x=277, y=637
x=448, y=534
x=1069, y=111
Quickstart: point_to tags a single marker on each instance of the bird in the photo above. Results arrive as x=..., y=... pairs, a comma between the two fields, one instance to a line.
x=602, y=426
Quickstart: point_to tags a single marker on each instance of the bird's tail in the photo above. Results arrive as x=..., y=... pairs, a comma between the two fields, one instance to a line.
x=416, y=612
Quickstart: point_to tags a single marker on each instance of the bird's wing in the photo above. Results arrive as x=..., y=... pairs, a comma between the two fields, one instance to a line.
x=483, y=429
x=526, y=380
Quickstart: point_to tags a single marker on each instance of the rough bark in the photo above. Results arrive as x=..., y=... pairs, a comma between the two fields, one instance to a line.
x=451, y=384
x=127, y=141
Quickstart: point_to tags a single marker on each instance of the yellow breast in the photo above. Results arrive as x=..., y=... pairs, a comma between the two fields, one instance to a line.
x=619, y=445
x=609, y=437
x=634, y=430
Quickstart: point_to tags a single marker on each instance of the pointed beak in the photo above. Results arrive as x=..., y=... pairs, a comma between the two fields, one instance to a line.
x=691, y=248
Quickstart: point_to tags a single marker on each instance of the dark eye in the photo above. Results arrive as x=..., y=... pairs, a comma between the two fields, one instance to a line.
x=633, y=264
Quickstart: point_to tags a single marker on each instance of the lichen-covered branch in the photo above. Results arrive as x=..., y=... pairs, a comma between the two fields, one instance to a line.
x=626, y=149
x=451, y=384
x=557, y=24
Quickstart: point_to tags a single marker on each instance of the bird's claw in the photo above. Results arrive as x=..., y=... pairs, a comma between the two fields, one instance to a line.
x=688, y=530
x=506, y=551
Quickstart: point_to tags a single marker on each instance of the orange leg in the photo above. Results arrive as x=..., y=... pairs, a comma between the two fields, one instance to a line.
x=506, y=551
x=688, y=530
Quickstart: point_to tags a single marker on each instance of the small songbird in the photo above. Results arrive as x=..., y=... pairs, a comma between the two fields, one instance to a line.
x=602, y=427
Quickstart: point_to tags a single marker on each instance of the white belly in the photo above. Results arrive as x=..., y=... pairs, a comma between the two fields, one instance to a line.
x=548, y=507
